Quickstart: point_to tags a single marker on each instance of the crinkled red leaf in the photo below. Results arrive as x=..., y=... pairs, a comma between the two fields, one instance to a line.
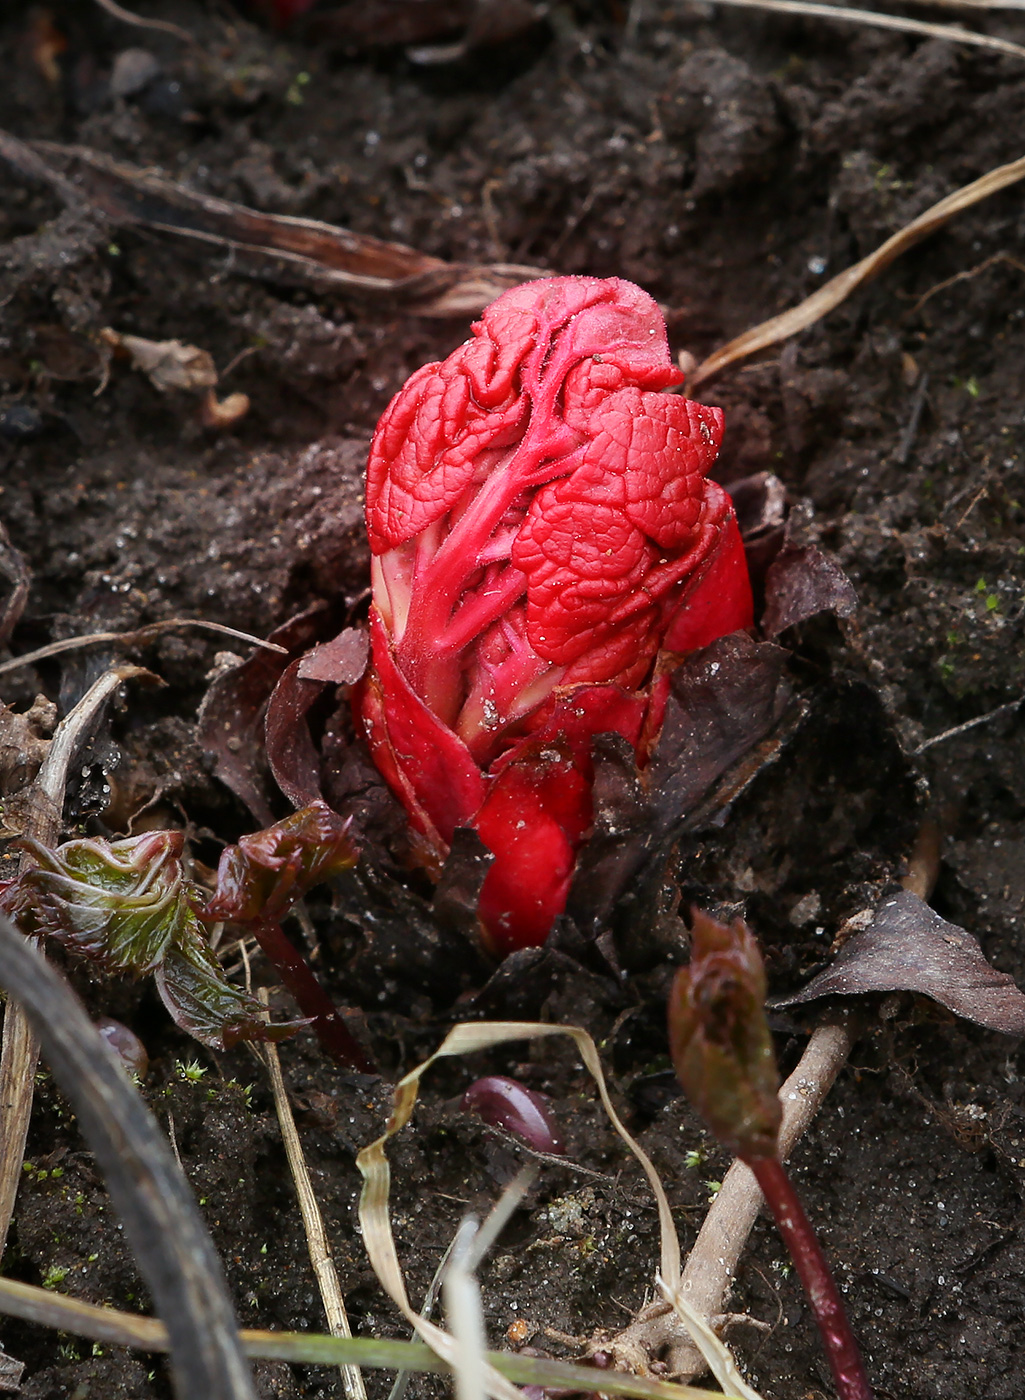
x=263, y=876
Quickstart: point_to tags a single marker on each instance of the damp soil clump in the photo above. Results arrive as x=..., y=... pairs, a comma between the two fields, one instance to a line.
x=729, y=163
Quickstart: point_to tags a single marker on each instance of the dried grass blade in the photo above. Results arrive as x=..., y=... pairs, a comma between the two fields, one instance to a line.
x=101, y=1324
x=164, y=26
x=372, y=1161
x=465, y=1040
x=137, y=637
x=970, y=4
x=956, y=33
x=464, y=1313
x=313, y=1221
x=717, y=1358
x=837, y=290
x=277, y=247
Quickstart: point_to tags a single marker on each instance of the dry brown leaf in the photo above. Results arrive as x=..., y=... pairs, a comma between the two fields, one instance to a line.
x=168, y=364
x=281, y=248
x=908, y=947
x=836, y=290
x=24, y=743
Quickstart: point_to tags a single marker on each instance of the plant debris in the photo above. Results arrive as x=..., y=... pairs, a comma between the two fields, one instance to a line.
x=908, y=947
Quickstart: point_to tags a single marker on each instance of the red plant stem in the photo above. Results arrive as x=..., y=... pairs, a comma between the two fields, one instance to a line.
x=841, y=1349
x=332, y=1032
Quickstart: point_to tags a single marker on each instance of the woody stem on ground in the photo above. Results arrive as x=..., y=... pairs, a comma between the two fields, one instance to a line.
x=842, y=1350
x=332, y=1032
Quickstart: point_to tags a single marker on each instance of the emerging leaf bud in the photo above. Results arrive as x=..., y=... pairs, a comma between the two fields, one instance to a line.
x=542, y=526
x=120, y=903
x=719, y=1038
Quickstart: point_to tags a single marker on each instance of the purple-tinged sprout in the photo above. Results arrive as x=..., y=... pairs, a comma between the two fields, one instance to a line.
x=506, y=1103
x=126, y=1045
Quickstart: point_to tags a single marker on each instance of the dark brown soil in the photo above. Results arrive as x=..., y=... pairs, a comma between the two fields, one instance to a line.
x=729, y=162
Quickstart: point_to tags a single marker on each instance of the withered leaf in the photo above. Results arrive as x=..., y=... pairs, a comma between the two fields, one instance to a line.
x=908, y=947
x=624, y=832
x=340, y=661
x=304, y=252
x=167, y=364
x=760, y=502
x=291, y=752
x=231, y=717
x=459, y=887
x=23, y=746
x=801, y=582
x=722, y=701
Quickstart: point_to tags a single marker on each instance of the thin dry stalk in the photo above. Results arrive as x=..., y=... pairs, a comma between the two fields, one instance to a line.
x=401, y=1383
x=956, y=33
x=20, y=1049
x=987, y=718
x=136, y=638
x=966, y=275
x=313, y=1221
x=839, y=288
x=163, y=25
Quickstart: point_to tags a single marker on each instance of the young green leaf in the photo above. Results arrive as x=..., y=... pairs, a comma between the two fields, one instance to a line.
x=127, y=906
x=201, y=1002
x=120, y=903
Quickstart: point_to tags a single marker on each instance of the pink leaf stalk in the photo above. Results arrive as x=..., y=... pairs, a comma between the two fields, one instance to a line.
x=542, y=528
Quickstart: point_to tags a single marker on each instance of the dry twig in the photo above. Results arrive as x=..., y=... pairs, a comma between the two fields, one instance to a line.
x=712, y=1263
x=136, y=638
x=956, y=33
x=163, y=25
x=839, y=288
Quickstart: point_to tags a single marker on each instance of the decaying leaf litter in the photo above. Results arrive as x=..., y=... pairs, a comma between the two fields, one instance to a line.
x=877, y=130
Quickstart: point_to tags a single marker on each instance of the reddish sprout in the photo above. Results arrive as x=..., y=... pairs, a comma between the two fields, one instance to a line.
x=546, y=543
x=506, y=1103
